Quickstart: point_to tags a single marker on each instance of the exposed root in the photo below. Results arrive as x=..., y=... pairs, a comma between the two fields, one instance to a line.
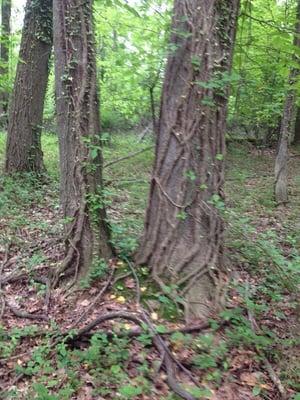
x=140, y=319
x=23, y=314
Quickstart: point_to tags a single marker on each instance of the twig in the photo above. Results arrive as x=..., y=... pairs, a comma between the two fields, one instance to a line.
x=120, y=277
x=45, y=281
x=137, y=282
x=2, y=266
x=127, y=157
x=274, y=378
x=2, y=307
x=97, y=298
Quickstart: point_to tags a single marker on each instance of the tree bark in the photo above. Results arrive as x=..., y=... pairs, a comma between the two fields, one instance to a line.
x=183, y=237
x=79, y=137
x=287, y=126
x=4, y=53
x=296, y=139
x=23, y=151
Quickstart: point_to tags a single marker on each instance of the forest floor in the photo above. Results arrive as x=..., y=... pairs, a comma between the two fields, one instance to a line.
x=250, y=350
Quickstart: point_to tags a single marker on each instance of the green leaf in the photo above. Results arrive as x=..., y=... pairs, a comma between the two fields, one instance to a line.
x=199, y=393
x=115, y=369
x=130, y=391
x=256, y=391
x=161, y=329
x=94, y=153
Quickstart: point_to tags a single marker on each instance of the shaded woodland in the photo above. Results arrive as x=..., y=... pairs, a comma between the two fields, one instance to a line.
x=149, y=199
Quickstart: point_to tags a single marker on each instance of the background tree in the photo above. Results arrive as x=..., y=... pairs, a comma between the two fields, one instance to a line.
x=261, y=65
x=287, y=122
x=79, y=136
x=183, y=238
x=4, y=53
x=23, y=151
x=132, y=52
x=296, y=138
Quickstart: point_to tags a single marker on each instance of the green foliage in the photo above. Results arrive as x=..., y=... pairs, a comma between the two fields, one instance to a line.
x=132, y=42
x=97, y=271
x=10, y=340
x=263, y=56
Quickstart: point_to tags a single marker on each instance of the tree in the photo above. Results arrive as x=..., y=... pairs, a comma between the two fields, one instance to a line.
x=183, y=237
x=261, y=62
x=296, y=139
x=4, y=53
x=131, y=57
x=23, y=151
x=287, y=124
x=78, y=121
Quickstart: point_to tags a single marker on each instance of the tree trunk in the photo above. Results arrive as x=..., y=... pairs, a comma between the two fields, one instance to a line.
x=23, y=150
x=296, y=139
x=183, y=238
x=79, y=137
x=4, y=53
x=287, y=126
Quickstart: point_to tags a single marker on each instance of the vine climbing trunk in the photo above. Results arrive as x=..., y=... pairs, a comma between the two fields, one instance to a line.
x=4, y=54
x=87, y=233
x=287, y=125
x=23, y=150
x=183, y=237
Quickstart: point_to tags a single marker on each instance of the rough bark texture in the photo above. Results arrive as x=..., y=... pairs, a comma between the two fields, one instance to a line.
x=296, y=139
x=287, y=126
x=23, y=151
x=4, y=54
x=79, y=136
x=183, y=237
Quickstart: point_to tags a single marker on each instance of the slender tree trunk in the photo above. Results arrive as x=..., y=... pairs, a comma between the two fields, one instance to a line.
x=183, y=238
x=287, y=126
x=4, y=52
x=296, y=139
x=153, y=111
x=79, y=133
x=23, y=151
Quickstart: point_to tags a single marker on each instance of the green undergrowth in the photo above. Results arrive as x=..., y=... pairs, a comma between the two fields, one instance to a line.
x=263, y=250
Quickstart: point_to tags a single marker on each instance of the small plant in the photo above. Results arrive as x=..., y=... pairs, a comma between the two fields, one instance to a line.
x=97, y=271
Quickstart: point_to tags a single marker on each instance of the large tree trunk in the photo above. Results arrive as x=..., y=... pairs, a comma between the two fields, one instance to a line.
x=287, y=126
x=183, y=238
x=79, y=135
x=4, y=53
x=23, y=151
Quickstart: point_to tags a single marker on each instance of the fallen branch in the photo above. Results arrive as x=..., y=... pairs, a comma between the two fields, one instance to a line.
x=160, y=345
x=23, y=314
x=127, y=157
